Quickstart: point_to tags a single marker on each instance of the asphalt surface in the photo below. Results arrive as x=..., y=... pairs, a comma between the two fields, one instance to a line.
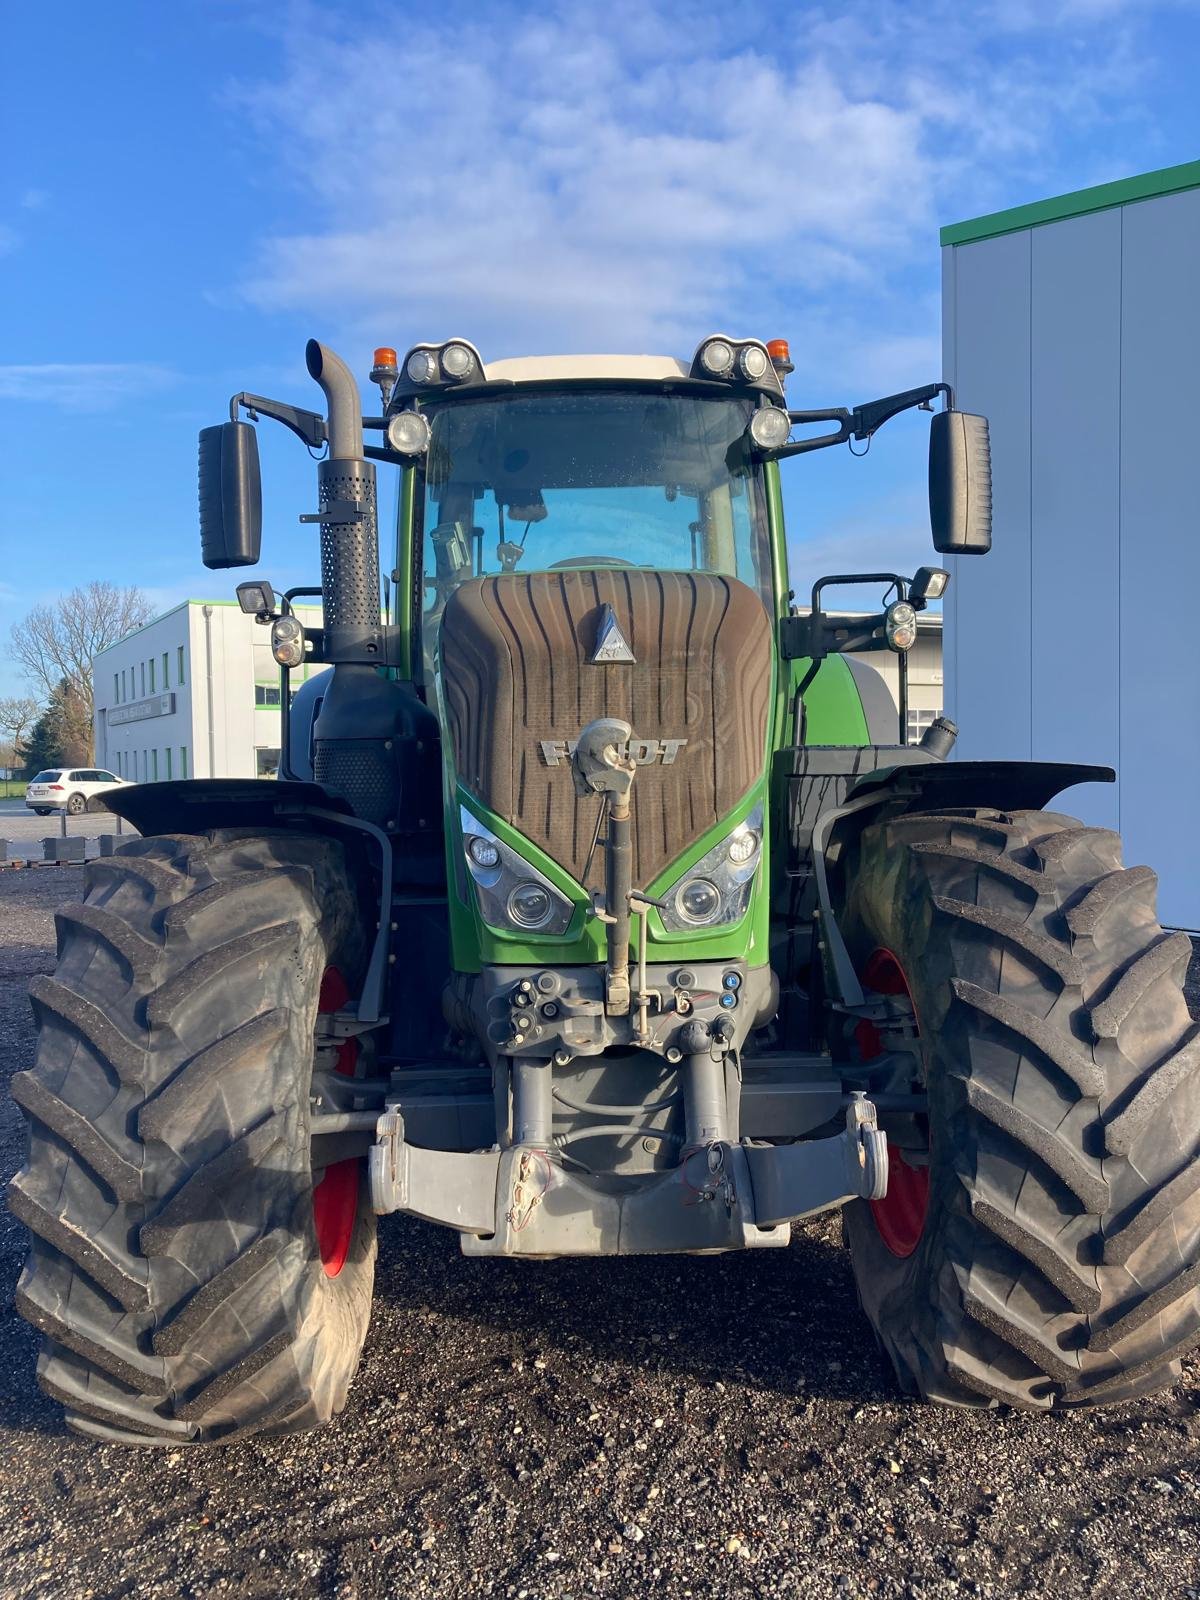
x=682, y=1427
x=24, y=829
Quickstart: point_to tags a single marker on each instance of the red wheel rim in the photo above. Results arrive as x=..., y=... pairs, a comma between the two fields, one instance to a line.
x=900, y=1215
x=335, y=1198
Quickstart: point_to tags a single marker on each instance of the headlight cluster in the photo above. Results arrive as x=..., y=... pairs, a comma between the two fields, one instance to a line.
x=716, y=889
x=900, y=626
x=287, y=641
x=456, y=361
x=736, y=360
x=512, y=895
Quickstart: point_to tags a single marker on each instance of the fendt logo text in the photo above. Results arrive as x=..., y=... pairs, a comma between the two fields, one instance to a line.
x=644, y=751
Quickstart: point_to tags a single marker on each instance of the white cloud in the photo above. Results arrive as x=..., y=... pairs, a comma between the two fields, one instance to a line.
x=34, y=199
x=571, y=188
x=82, y=386
x=629, y=177
x=10, y=240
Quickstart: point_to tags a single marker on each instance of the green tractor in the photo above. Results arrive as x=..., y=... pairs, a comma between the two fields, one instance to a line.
x=599, y=910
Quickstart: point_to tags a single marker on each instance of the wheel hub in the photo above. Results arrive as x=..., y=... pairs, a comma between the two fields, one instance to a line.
x=900, y=1216
x=335, y=1198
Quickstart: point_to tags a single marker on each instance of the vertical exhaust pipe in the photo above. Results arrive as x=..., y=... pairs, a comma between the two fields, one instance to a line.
x=349, y=539
x=353, y=734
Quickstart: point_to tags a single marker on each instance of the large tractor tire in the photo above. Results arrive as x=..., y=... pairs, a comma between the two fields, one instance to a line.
x=183, y=1286
x=1043, y=1248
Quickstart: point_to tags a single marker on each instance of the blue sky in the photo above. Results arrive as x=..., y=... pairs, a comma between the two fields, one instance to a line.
x=190, y=191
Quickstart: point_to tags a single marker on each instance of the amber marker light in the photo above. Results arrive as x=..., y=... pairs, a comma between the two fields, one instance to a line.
x=780, y=356
x=385, y=372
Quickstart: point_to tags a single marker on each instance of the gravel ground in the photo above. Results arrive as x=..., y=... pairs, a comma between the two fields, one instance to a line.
x=692, y=1427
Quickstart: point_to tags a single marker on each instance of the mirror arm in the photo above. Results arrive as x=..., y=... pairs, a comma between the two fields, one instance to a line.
x=874, y=413
x=860, y=423
x=308, y=426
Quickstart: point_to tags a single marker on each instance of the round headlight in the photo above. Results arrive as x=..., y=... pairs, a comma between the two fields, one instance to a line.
x=770, y=427
x=530, y=906
x=457, y=361
x=698, y=901
x=717, y=357
x=743, y=846
x=287, y=641
x=753, y=361
x=408, y=433
x=422, y=366
x=483, y=852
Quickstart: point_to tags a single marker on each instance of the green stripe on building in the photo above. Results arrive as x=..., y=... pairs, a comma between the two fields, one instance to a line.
x=1102, y=197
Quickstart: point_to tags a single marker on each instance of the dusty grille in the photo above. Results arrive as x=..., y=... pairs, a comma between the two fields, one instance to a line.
x=516, y=673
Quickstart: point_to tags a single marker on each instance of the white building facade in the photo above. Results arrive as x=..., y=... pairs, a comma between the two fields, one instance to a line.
x=193, y=694
x=1074, y=326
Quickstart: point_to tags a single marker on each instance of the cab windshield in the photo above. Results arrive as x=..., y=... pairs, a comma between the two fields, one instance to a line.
x=530, y=482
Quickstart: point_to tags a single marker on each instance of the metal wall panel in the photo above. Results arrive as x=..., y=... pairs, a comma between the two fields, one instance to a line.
x=1160, y=547
x=991, y=626
x=1080, y=339
x=1075, y=436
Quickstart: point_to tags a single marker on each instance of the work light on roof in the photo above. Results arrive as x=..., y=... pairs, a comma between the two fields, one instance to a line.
x=458, y=361
x=729, y=360
x=753, y=361
x=422, y=366
x=454, y=361
x=716, y=357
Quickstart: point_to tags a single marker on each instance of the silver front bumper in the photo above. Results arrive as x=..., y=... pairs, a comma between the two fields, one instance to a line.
x=721, y=1196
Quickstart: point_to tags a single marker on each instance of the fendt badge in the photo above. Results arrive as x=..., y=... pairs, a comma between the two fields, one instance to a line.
x=644, y=751
x=611, y=644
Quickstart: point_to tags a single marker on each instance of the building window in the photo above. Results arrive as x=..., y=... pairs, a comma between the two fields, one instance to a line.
x=266, y=763
x=183, y=761
x=266, y=694
x=918, y=721
x=124, y=693
x=167, y=753
x=116, y=687
x=154, y=753
x=151, y=674
x=179, y=666
x=143, y=667
x=166, y=659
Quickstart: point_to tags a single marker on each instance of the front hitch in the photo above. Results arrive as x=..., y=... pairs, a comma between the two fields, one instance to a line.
x=601, y=764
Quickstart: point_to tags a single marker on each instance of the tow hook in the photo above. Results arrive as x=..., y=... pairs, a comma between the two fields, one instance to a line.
x=870, y=1147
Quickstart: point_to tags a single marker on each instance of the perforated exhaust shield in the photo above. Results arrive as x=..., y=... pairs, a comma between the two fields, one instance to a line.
x=519, y=686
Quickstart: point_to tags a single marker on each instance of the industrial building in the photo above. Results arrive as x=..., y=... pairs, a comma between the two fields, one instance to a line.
x=193, y=694
x=1073, y=325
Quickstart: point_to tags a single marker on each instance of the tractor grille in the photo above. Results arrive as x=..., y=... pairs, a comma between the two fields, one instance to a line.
x=515, y=668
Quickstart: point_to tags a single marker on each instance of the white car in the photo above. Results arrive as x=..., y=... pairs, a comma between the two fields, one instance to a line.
x=69, y=789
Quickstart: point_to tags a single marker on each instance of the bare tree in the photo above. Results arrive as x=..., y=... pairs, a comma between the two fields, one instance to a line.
x=18, y=713
x=55, y=644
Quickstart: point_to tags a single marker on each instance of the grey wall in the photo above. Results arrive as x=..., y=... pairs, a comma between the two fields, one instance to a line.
x=1075, y=638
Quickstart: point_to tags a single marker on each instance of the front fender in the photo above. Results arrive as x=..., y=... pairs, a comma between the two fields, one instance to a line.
x=193, y=805
x=1006, y=785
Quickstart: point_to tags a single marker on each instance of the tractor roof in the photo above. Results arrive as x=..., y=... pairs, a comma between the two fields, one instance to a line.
x=573, y=369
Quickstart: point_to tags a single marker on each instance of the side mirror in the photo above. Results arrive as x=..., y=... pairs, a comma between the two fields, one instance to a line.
x=230, y=496
x=960, y=484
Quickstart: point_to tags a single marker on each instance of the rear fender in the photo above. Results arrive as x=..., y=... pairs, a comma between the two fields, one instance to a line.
x=926, y=786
